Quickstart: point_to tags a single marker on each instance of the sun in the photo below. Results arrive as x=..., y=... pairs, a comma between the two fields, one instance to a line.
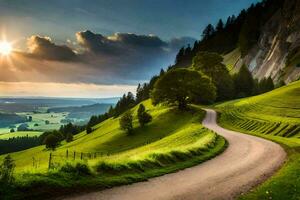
x=5, y=48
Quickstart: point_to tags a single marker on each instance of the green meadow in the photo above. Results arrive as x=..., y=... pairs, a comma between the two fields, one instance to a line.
x=274, y=116
x=173, y=140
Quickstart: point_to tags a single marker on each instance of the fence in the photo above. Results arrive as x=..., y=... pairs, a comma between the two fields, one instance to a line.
x=55, y=160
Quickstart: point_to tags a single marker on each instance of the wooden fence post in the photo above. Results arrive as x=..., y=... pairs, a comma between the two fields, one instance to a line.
x=67, y=153
x=50, y=160
x=81, y=155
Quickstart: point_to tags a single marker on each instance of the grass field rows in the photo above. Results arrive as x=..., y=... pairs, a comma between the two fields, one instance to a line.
x=274, y=116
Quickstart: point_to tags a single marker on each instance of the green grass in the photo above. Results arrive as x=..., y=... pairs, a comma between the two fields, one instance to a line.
x=40, y=118
x=231, y=59
x=6, y=136
x=173, y=140
x=274, y=116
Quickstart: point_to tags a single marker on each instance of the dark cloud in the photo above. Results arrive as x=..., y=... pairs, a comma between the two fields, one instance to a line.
x=121, y=58
x=43, y=47
x=119, y=43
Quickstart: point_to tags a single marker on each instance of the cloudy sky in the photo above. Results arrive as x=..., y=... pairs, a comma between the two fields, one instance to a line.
x=97, y=48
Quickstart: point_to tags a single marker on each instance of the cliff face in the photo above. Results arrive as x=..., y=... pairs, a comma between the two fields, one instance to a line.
x=277, y=53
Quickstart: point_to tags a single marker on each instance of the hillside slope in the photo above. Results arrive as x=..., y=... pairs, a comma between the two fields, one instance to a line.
x=276, y=113
x=274, y=116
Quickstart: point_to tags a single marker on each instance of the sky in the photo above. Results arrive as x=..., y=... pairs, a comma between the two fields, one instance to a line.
x=97, y=48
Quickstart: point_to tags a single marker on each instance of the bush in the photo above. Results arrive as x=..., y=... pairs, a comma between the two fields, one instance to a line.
x=51, y=141
x=7, y=170
x=143, y=116
x=126, y=122
x=80, y=169
x=69, y=137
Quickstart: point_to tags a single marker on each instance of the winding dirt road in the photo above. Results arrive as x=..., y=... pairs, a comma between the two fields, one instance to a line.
x=247, y=162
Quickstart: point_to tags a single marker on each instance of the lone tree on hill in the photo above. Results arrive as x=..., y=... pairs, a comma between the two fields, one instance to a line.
x=143, y=116
x=51, y=141
x=183, y=86
x=126, y=122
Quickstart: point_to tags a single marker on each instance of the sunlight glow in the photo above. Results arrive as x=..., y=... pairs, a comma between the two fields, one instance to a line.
x=5, y=48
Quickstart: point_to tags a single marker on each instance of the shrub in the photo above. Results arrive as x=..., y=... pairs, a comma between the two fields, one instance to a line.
x=126, y=122
x=143, y=116
x=69, y=137
x=81, y=169
x=51, y=141
x=7, y=170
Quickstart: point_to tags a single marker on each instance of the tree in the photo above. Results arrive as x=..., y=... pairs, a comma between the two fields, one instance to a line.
x=208, y=32
x=89, y=128
x=69, y=137
x=211, y=65
x=182, y=86
x=143, y=116
x=12, y=130
x=244, y=82
x=51, y=141
x=30, y=118
x=7, y=170
x=126, y=122
x=220, y=25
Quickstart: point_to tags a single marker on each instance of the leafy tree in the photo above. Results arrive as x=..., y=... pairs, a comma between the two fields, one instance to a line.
x=7, y=170
x=51, y=141
x=211, y=65
x=69, y=137
x=244, y=82
x=12, y=130
x=126, y=122
x=182, y=86
x=143, y=116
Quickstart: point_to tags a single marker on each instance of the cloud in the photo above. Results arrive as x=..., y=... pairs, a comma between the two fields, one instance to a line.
x=43, y=47
x=119, y=43
x=120, y=58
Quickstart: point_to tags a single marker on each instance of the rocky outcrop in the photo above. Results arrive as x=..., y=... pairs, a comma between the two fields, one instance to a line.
x=277, y=53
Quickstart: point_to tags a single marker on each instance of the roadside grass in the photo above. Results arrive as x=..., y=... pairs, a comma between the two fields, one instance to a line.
x=6, y=136
x=172, y=141
x=274, y=116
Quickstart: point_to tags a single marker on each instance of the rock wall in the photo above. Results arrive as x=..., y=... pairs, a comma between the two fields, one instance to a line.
x=279, y=37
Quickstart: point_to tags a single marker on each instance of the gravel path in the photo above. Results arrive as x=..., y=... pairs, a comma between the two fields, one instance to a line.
x=247, y=162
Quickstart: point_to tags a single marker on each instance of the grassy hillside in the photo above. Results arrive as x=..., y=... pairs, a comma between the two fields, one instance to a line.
x=231, y=59
x=172, y=141
x=274, y=116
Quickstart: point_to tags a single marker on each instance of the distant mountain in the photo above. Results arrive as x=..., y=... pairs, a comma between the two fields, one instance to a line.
x=28, y=104
x=83, y=112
